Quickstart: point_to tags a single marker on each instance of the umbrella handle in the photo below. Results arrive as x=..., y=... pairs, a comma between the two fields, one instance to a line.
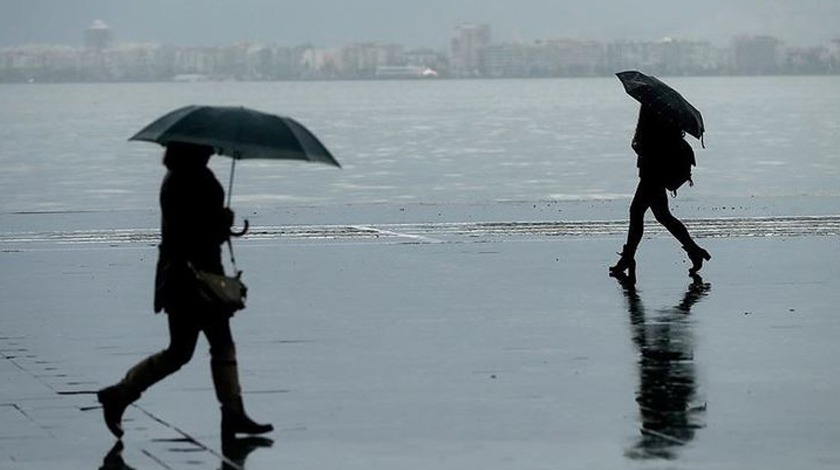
x=241, y=232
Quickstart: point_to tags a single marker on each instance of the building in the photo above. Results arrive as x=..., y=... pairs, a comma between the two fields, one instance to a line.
x=550, y=58
x=506, y=60
x=756, y=55
x=564, y=57
x=808, y=61
x=99, y=36
x=468, y=42
x=361, y=60
x=428, y=59
x=404, y=71
x=666, y=57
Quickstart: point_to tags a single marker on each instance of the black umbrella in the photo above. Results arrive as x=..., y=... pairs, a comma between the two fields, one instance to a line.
x=238, y=132
x=663, y=100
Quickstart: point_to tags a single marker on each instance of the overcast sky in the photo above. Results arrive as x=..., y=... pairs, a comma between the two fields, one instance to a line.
x=331, y=23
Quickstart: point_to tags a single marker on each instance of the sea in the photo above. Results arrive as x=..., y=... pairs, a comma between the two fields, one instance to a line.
x=65, y=148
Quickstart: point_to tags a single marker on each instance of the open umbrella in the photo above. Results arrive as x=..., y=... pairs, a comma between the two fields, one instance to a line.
x=239, y=133
x=663, y=100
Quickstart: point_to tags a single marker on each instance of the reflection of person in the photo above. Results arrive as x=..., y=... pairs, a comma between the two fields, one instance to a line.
x=667, y=380
x=194, y=224
x=236, y=450
x=654, y=141
x=234, y=453
x=113, y=459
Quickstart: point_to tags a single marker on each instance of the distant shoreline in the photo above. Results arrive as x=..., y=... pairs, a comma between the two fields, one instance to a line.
x=400, y=79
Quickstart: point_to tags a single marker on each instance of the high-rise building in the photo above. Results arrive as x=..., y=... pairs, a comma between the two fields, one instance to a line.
x=756, y=55
x=99, y=36
x=468, y=40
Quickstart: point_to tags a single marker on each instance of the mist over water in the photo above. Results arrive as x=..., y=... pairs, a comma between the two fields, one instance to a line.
x=428, y=24
x=65, y=148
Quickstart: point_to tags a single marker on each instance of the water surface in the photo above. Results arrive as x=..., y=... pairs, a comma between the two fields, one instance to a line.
x=64, y=148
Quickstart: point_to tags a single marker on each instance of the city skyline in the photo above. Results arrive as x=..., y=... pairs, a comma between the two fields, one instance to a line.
x=332, y=23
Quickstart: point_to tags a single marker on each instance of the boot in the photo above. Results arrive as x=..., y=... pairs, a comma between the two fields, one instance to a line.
x=697, y=255
x=627, y=262
x=115, y=399
x=226, y=381
x=235, y=421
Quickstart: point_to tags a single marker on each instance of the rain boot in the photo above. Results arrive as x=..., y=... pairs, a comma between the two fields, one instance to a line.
x=234, y=419
x=627, y=262
x=115, y=399
x=697, y=255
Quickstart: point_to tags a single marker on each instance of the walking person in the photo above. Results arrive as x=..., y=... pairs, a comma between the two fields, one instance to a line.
x=194, y=224
x=657, y=143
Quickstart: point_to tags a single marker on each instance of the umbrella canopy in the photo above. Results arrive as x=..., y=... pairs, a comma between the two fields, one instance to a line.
x=238, y=132
x=663, y=100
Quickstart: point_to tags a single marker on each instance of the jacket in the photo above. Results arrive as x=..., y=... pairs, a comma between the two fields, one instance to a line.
x=655, y=142
x=194, y=224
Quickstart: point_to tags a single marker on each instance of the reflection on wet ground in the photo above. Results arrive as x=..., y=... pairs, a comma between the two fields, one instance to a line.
x=234, y=453
x=372, y=352
x=667, y=395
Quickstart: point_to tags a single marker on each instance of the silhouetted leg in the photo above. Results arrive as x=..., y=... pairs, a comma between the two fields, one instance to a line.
x=183, y=334
x=226, y=379
x=640, y=204
x=222, y=357
x=627, y=262
x=659, y=206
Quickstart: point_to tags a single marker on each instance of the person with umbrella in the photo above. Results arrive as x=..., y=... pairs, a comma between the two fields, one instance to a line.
x=659, y=136
x=194, y=224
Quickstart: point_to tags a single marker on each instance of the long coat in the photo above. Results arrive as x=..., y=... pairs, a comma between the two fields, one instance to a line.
x=194, y=224
x=655, y=143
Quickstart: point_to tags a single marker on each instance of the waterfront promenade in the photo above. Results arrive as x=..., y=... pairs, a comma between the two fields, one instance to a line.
x=485, y=336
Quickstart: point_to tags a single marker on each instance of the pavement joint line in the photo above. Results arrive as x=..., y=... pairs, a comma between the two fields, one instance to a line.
x=30, y=418
x=38, y=377
x=156, y=459
x=187, y=436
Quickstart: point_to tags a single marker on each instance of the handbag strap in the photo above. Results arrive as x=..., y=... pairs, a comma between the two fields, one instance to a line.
x=232, y=257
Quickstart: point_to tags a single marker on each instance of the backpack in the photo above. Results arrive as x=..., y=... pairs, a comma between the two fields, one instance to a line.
x=676, y=168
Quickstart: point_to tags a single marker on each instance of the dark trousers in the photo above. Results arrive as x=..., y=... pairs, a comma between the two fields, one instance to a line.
x=184, y=328
x=652, y=195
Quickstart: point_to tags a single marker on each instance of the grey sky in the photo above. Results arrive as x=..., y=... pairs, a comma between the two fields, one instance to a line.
x=328, y=23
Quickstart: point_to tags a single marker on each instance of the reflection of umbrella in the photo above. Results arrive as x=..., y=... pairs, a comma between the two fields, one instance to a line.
x=663, y=100
x=238, y=132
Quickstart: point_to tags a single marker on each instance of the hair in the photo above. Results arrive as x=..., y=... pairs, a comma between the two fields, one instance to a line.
x=186, y=155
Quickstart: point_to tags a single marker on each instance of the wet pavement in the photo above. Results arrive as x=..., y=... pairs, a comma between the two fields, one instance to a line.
x=447, y=339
